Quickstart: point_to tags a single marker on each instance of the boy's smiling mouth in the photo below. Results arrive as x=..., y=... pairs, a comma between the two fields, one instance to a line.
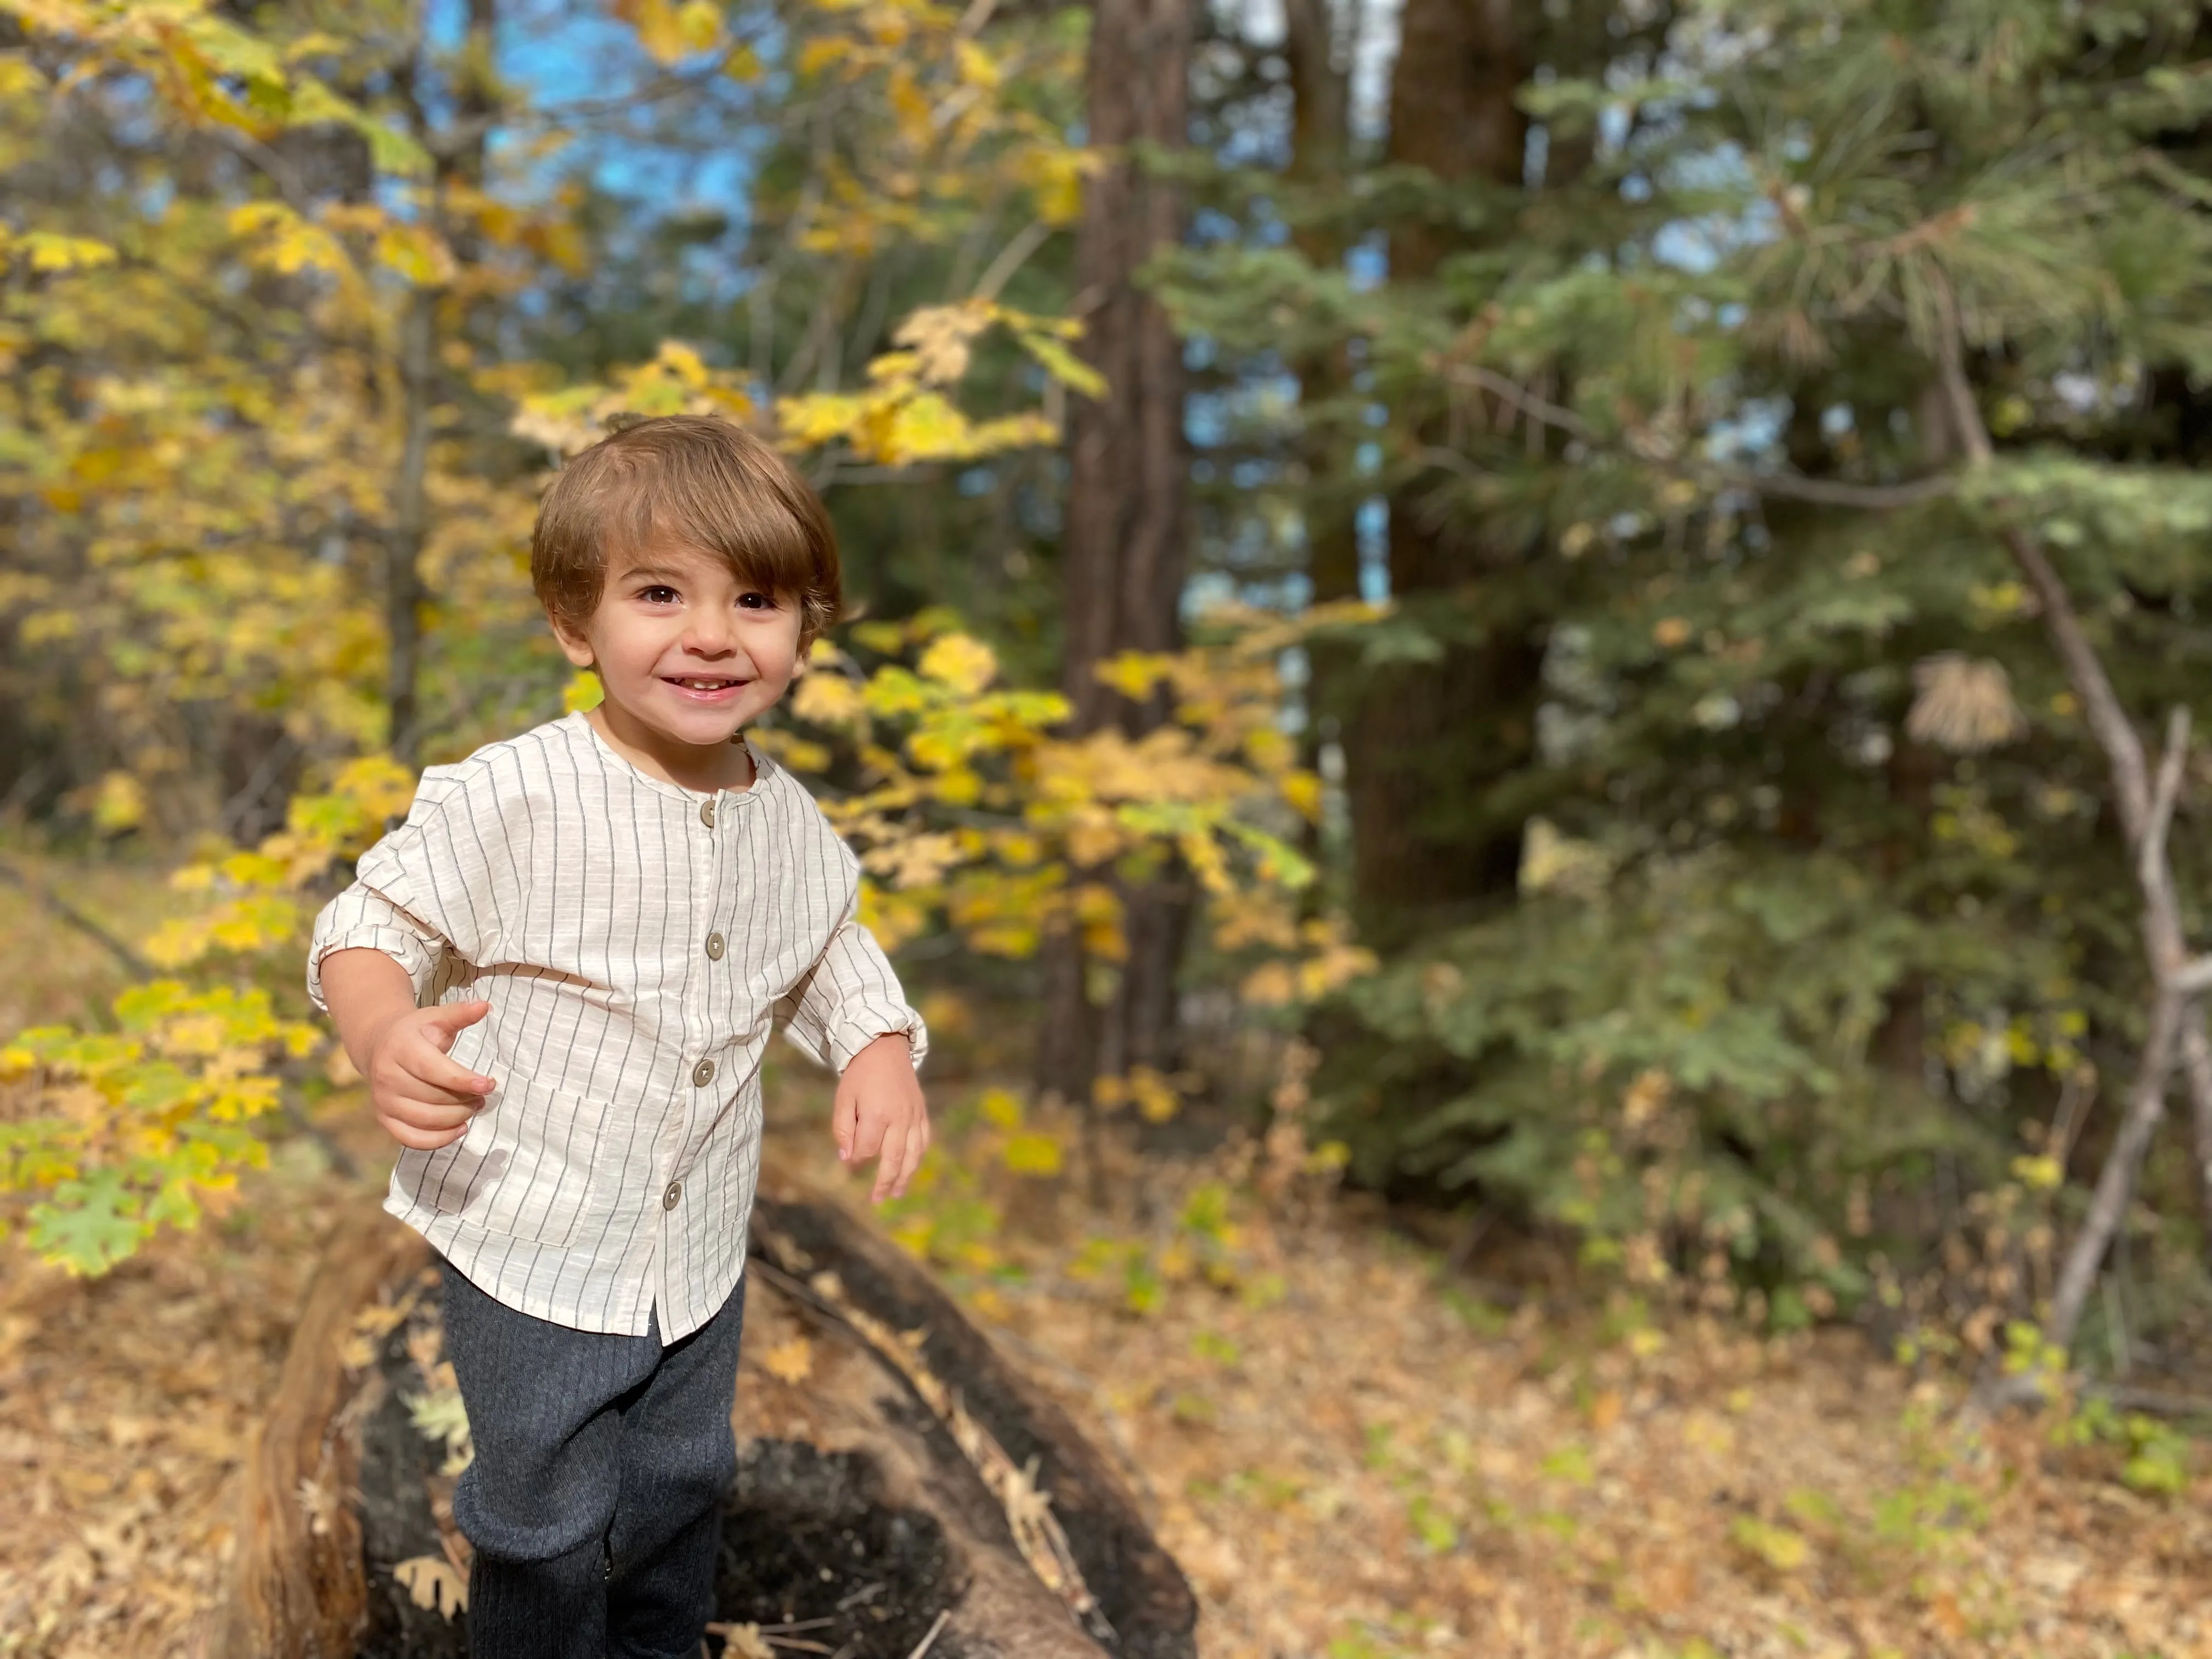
x=700, y=685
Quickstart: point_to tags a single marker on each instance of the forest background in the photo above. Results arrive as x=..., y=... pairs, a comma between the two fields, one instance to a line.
x=1572, y=625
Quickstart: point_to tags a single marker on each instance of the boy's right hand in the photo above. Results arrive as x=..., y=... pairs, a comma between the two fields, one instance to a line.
x=424, y=1099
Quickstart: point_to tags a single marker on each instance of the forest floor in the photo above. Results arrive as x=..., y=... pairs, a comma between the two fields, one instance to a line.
x=1353, y=1452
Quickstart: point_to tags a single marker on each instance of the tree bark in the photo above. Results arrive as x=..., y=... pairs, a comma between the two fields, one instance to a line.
x=1124, y=546
x=411, y=517
x=907, y=1456
x=1428, y=739
x=459, y=154
x=1321, y=139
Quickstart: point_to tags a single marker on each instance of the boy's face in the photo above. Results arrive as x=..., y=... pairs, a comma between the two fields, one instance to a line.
x=683, y=647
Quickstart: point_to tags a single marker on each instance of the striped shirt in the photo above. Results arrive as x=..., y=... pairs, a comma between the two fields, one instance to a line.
x=637, y=942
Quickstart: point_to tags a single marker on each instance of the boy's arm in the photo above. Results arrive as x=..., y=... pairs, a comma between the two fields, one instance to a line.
x=362, y=918
x=850, y=1014
x=848, y=999
x=424, y=889
x=421, y=1097
x=435, y=884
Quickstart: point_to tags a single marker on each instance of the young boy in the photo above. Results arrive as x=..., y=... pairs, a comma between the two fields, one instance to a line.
x=558, y=977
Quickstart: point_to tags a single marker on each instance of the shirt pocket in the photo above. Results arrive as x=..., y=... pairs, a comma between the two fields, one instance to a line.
x=525, y=1168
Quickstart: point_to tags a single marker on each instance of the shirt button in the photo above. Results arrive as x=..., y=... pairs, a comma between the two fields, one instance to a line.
x=706, y=813
x=714, y=947
x=703, y=1073
x=674, y=1191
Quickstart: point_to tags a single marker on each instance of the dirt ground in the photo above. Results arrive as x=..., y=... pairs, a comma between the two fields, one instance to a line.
x=1348, y=1461
x=1352, y=1454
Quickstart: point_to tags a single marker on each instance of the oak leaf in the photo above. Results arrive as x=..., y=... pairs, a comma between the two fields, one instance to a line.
x=430, y=1582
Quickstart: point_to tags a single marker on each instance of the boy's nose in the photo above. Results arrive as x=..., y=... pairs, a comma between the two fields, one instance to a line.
x=710, y=636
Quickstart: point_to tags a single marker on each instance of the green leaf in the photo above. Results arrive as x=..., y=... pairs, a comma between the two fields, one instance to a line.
x=1063, y=364
x=90, y=1225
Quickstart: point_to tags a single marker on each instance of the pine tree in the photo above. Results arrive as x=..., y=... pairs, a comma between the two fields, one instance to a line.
x=1826, y=895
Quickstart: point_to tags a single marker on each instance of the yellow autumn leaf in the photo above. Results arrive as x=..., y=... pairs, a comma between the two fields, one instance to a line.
x=926, y=428
x=818, y=55
x=19, y=75
x=1780, y=1547
x=909, y=106
x=817, y=418
x=1134, y=673
x=1271, y=985
x=49, y=250
x=583, y=692
x=978, y=67
x=790, y=1362
x=1031, y=1153
x=658, y=30
x=829, y=700
x=118, y=803
x=1055, y=181
x=961, y=661
x=416, y=253
x=698, y=24
x=679, y=359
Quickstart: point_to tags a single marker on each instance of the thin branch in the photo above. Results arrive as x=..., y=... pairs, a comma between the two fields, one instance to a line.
x=928, y=1640
x=130, y=959
x=2151, y=867
x=1510, y=391
x=972, y=21
x=1951, y=366
x=2146, y=812
x=2116, y=1181
x=2100, y=704
x=1782, y=486
x=2160, y=1402
x=1012, y=257
x=2196, y=1072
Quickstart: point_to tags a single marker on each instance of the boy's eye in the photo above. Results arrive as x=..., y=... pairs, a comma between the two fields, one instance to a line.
x=658, y=595
x=757, y=601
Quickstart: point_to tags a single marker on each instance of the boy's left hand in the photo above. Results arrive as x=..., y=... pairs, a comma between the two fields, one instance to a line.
x=880, y=1110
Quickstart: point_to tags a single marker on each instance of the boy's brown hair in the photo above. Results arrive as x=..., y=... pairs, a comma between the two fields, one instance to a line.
x=697, y=480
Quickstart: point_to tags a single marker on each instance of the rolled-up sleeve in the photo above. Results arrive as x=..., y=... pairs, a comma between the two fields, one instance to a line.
x=427, y=888
x=848, y=999
x=361, y=917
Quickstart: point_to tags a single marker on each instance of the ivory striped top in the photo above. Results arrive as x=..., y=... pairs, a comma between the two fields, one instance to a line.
x=637, y=942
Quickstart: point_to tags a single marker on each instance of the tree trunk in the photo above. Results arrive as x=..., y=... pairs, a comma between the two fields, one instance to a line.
x=1127, y=523
x=1321, y=140
x=1429, y=738
x=459, y=154
x=904, y=1485
x=410, y=517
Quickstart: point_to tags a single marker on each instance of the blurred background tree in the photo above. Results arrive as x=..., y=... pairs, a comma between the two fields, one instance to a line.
x=1671, y=515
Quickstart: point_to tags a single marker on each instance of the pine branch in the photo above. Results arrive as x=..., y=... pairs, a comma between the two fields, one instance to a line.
x=1781, y=486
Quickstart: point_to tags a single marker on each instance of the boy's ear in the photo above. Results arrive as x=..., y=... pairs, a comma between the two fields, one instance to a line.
x=578, y=651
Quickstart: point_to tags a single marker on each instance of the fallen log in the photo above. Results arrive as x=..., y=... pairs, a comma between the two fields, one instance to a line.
x=901, y=1489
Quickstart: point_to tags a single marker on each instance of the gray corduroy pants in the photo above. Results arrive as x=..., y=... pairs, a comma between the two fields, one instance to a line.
x=594, y=1501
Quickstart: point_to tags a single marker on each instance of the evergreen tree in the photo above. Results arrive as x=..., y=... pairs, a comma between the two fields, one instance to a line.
x=1824, y=908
